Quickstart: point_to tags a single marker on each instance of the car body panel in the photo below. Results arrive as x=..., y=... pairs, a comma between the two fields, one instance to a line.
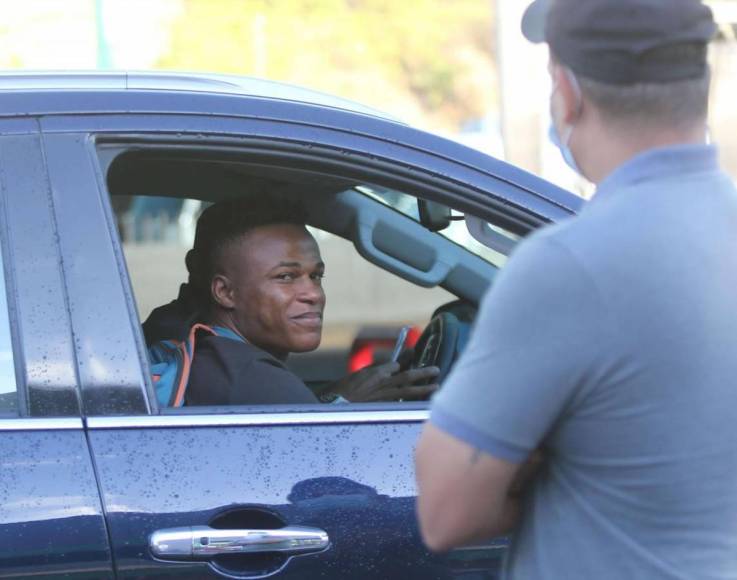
x=354, y=480
x=51, y=521
x=36, y=295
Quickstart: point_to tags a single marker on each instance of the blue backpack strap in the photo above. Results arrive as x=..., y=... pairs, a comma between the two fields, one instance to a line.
x=165, y=358
x=171, y=364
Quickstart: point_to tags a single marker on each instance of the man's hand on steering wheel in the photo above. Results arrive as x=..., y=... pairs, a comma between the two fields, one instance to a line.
x=438, y=344
x=384, y=383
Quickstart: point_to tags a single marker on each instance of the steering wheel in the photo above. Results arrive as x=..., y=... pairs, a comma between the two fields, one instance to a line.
x=438, y=344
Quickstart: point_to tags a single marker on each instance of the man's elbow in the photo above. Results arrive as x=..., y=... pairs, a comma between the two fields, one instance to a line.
x=453, y=523
x=441, y=529
x=438, y=539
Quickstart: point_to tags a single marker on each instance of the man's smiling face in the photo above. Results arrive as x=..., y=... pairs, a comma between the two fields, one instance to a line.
x=276, y=283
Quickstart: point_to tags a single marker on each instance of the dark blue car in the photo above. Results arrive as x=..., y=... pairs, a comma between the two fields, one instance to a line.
x=98, y=481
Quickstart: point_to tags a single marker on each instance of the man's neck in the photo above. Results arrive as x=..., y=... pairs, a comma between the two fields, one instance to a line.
x=618, y=147
x=222, y=319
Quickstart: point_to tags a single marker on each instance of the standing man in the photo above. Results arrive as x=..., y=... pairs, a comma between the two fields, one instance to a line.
x=608, y=345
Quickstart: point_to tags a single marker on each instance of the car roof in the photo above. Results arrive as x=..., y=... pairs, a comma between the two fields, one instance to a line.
x=55, y=81
x=76, y=94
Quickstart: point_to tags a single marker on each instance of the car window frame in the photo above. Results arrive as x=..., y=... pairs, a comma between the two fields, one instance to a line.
x=411, y=180
x=47, y=388
x=466, y=183
x=8, y=285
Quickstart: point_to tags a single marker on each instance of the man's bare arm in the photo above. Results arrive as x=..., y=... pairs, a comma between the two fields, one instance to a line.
x=464, y=494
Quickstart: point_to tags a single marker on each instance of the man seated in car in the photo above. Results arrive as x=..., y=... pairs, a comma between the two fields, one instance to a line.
x=256, y=277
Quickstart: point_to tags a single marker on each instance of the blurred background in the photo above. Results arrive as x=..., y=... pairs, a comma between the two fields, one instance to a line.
x=456, y=67
x=459, y=68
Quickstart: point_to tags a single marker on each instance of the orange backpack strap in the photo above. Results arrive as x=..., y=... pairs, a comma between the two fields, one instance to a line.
x=187, y=349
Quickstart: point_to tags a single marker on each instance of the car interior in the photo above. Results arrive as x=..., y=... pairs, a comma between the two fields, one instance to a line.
x=394, y=258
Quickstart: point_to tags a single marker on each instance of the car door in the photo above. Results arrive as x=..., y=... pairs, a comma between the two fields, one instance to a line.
x=51, y=521
x=316, y=491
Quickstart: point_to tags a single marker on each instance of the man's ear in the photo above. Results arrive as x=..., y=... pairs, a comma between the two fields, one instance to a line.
x=566, y=93
x=222, y=291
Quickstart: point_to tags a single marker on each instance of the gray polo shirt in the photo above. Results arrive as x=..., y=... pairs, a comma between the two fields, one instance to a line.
x=610, y=340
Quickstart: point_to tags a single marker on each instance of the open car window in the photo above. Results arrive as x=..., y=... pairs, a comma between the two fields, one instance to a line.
x=385, y=270
x=366, y=305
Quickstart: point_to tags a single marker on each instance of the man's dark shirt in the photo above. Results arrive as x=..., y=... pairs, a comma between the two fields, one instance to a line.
x=172, y=321
x=231, y=372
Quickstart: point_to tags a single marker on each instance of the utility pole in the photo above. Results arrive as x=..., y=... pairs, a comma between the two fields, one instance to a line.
x=104, y=59
x=525, y=90
x=522, y=90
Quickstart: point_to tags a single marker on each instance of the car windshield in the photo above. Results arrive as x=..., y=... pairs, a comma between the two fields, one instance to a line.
x=457, y=231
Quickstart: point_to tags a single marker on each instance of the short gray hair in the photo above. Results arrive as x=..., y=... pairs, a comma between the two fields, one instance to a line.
x=673, y=104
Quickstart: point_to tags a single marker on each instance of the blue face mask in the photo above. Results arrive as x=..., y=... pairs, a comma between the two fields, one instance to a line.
x=564, y=149
x=562, y=144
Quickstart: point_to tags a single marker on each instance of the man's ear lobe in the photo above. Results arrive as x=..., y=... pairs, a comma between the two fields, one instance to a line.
x=222, y=291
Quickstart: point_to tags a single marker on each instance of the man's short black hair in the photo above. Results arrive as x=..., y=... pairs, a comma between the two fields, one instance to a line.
x=225, y=222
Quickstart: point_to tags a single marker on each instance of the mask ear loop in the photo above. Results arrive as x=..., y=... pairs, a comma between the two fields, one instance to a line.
x=566, y=137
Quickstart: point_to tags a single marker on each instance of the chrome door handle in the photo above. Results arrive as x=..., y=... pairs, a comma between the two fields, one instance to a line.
x=202, y=541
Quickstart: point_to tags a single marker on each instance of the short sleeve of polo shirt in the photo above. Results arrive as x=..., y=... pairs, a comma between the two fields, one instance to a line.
x=536, y=340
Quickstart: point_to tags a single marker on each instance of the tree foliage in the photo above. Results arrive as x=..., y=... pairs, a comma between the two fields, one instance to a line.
x=416, y=59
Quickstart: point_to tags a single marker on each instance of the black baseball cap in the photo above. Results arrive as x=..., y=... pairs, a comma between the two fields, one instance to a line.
x=624, y=41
